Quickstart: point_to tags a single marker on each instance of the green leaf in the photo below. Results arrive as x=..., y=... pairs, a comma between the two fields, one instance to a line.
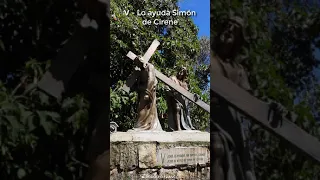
x=15, y=126
x=47, y=126
x=21, y=173
x=44, y=98
x=13, y=122
x=48, y=174
x=67, y=103
x=7, y=107
x=25, y=117
x=53, y=115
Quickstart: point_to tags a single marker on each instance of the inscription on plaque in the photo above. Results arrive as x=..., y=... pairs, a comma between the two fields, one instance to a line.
x=183, y=155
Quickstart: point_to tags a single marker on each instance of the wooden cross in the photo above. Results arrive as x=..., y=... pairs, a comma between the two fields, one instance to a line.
x=258, y=111
x=132, y=79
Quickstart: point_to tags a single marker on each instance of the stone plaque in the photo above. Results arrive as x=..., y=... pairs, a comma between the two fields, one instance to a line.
x=183, y=155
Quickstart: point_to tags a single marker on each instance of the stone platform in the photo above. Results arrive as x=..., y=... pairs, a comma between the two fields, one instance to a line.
x=160, y=155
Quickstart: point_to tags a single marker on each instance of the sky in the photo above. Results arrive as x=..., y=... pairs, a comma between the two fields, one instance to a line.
x=202, y=20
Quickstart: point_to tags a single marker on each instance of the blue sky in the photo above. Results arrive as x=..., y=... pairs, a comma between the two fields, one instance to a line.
x=202, y=20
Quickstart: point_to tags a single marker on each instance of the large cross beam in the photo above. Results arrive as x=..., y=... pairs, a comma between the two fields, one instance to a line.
x=258, y=111
x=131, y=80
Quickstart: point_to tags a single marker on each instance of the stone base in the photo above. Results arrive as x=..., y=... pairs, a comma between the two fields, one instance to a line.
x=160, y=155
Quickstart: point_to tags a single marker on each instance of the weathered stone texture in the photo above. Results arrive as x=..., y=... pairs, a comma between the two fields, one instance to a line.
x=136, y=157
x=175, y=173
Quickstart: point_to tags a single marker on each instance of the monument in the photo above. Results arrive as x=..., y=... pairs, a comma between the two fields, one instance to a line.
x=178, y=106
x=147, y=151
x=144, y=81
x=226, y=46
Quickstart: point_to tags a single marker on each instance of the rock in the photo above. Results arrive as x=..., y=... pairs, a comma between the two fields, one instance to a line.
x=147, y=155
x=160, y=136
x=160, y=155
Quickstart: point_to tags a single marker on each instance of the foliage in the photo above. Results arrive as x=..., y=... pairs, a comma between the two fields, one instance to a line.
x=280, y=59
x=34, y=29
x=202, y=63
x=39, y=137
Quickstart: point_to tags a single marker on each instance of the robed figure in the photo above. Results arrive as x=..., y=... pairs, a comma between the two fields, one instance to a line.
x=178, y=106
x=145, y=85
x=232, y=159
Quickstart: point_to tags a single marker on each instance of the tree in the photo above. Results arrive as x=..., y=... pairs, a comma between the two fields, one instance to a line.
x=203, y=62
x=39, y=138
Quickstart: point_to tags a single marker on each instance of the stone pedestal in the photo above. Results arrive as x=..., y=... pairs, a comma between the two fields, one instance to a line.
x=160, y=155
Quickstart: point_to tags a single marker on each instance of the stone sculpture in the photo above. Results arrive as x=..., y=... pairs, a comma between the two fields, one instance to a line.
x=178, y=105
x=146, y=87
x=233, y=160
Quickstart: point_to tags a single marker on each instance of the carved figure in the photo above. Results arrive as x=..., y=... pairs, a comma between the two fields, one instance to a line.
x=146, y=87
x=178, y=106
x=232, y=160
